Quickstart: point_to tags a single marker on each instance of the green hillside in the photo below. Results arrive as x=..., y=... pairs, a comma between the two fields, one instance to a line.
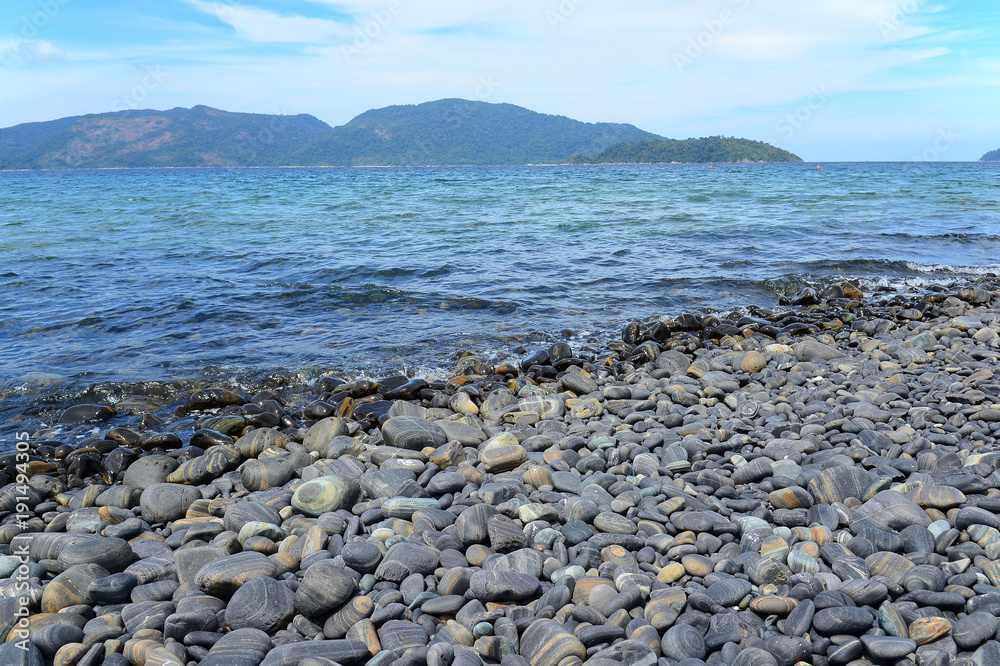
x=456, y=131
x=992, y=156
x=445, y=132
x=197, y=137
x=709, y=149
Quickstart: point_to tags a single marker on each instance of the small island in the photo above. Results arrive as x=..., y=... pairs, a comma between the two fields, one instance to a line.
x=709, y=149
x=992, y=156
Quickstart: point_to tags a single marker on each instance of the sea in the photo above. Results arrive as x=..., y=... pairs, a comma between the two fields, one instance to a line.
x=118, y=285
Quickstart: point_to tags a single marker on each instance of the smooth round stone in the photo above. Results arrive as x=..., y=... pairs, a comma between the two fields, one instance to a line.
x=597, y=634
x=682, y=641
x=49, y=639
x=324, y=588
x=146, y=615
x=402, y=635
x=664, y=607
x=405, y=507
x=839, y=483
x=754, y=657
x=888, y=510
x=612, y=523
x=114, y=589
x=362, y=557
x=404, y=559
x=257, y=475
x=773, y=605
x=112, y=553
x=346, y=652
x=697, y=565
x=262, y=603
x=472, y=526
x=357, y=609
x=974, y=629
x=239, y=514
x=925, y=630
x=319, y=436
x=887, y=648
x=787, y=649
x=729, y=592
x=446, y=605
x=226, y=575
x=547, y=643
x=70, y=587
x=843, y=620
x=503, y=585
x=800, y=619
x=164, y=502
x=413, y=433
x=326, y=494
x=256, y=528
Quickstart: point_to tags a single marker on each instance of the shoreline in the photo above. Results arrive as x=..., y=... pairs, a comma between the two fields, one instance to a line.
x=693, y=488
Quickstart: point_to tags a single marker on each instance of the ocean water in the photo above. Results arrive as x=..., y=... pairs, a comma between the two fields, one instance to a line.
x=151, y=282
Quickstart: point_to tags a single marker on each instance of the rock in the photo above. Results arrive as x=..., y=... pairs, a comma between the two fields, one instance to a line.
x=547, y=643
x=326, y=494
x=503, y=585
x=86, y=414
x=344, y=652
x=148, y=470
x=261, y=603
x=111, y=553
x=974, y=629
x=242, y=646
x=413, y=433
x=12, y=654
x=324, y=588
x=810, y=349
x=70, y=587
x=165, y=502
x=887, y=648
x=225, y=576
x=888, y=510
x=843, y=620
x=839, y=483
x=683, y=641
x=404, y=559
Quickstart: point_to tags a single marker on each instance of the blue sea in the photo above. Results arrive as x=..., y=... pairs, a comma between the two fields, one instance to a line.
x=125, y=283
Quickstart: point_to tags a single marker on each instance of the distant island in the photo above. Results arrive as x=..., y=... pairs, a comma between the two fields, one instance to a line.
x=992, y=156
x=445, y=132
x=710, y=149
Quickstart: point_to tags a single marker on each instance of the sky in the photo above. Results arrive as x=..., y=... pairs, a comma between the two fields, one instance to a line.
x=831, y=80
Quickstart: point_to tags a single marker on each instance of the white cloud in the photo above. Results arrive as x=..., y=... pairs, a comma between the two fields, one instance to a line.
x=14, y=50
x=259, y=25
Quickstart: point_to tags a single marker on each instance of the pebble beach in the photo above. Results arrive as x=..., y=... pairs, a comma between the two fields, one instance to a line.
x=811, y=483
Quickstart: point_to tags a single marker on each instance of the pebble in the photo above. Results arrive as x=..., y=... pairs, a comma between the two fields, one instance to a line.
x=696, y=492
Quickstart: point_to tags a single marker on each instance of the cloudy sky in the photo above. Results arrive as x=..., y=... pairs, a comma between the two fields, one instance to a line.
x=830, y=80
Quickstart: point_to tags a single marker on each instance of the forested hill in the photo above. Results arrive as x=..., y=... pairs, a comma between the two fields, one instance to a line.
x=457, y=131
x=445, y=132
x=710, y=149
x=196, y=137
x=992, y=156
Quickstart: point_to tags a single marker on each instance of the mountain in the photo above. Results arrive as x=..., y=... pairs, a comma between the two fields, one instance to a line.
x=457, y=131
x=992, y=156
x=197, y=137
x=710, y=149
x=445, y=132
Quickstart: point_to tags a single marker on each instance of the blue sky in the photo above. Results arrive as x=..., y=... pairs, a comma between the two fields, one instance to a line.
x=831, y=80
